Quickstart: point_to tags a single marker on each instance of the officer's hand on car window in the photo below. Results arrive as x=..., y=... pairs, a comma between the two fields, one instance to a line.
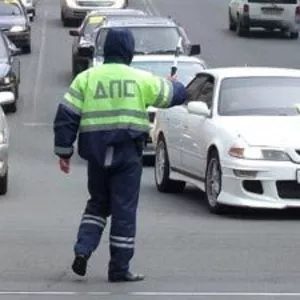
x=64, y=165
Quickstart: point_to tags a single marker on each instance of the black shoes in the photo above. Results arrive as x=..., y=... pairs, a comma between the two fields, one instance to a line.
x=128, y=277
x=79, y=265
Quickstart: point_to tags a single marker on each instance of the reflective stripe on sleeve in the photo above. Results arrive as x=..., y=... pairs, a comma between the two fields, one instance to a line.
x=165, y=94
x=71, y=106
x=75, y=94
x=63, y=150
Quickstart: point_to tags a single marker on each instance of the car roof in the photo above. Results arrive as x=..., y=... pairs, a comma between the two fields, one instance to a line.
x=229, y=72
x=116, y=11
x=140, y=21
x=165, y=58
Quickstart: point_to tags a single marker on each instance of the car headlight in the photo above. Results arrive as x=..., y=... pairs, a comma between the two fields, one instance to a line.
x=17, y=29
x=3, y=137
x=258, y=153
x=5, y=80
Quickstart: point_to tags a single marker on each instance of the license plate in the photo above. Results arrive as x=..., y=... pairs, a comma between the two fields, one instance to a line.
x=272, y=11
x=298, y=176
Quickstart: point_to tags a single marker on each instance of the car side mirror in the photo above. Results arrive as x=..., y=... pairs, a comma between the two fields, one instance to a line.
x=30, y=16
x=198, y=108
x=195, y=50
x=73, y=32
x=6, y=98
x=87, y=51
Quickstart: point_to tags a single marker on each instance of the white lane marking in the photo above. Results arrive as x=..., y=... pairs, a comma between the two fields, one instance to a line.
x=40, y=66
x=149, y=294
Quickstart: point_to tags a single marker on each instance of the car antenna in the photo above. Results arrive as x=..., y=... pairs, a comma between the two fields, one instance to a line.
x=174, y=68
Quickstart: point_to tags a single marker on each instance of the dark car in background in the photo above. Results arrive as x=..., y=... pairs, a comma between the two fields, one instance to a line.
x=85, y=34
x=15, y=23
x=153, y=35
x=9, y=70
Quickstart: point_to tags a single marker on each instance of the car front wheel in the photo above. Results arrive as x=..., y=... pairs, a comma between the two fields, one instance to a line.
x=162, y=171
x=213, y=182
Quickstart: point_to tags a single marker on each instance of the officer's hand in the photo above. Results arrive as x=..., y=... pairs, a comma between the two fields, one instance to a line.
x=64, y=165
x=174, y=77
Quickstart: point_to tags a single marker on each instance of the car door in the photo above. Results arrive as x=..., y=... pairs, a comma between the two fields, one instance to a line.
x=193, y=128
x=175, y=119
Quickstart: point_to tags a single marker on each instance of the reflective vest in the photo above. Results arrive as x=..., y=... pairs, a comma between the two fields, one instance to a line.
x=116, y=96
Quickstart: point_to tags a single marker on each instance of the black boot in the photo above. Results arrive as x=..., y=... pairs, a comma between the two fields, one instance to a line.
x=127, y=277
x=79, y=265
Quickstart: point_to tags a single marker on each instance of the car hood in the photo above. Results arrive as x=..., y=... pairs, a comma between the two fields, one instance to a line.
x=4, y=68
x=8, y=22
x=282, y=131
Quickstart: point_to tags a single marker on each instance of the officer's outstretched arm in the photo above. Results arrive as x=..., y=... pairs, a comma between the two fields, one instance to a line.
x=68, y=117
x=164, y=93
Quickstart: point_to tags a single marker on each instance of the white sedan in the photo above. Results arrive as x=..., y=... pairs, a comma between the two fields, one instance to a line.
x=236, y=138
x=76, y=10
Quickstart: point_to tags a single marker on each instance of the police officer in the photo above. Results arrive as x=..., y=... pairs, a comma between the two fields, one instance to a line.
x=107, y=105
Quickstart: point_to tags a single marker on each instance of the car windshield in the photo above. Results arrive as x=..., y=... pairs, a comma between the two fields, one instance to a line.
x=95, y=21
x=9, y=9
x=147, y=39
x=186, y=70
x=261, y=96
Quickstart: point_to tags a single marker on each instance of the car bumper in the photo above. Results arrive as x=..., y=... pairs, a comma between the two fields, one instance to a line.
x=79, y=13
x=260, y=184
x=20, y=39
x=280, y=24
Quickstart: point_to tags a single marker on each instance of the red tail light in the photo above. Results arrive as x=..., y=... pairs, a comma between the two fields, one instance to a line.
x=246, y=8
x=297, y=12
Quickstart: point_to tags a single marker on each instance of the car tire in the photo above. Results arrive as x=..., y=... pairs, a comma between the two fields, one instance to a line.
x=213, y=166
x=26, y=49
x=294, y=35
x=240, y=29
x=3, y=184
x=162, y=171
x=232, y=24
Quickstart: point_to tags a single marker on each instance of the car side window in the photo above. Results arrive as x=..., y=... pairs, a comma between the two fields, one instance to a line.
x=195, y=87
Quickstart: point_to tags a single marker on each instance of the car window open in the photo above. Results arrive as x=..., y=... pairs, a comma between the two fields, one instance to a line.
x=263, y=96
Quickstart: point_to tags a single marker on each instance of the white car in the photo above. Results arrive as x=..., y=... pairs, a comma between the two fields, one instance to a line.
x=188, y=67
x=76, y=10
x=5, y=98
x=277, y=14
x=236, y=138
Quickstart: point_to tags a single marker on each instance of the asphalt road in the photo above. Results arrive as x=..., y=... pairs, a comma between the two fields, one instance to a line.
x=184, y=251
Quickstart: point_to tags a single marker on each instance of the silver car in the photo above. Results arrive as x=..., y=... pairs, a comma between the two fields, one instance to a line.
x=5, y=98
x=76, y=10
